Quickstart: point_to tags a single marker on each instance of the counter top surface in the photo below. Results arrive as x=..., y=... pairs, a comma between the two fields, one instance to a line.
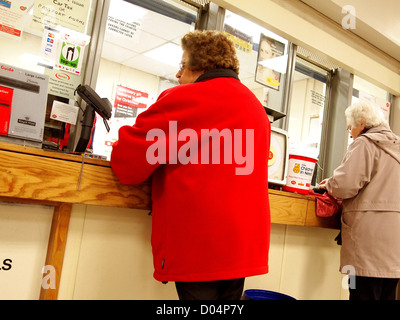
x=35, y=175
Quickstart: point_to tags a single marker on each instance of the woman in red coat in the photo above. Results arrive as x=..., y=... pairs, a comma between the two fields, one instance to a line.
x=205, y=143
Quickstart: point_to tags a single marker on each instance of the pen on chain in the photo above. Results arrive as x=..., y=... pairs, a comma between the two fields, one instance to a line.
x=78, y=187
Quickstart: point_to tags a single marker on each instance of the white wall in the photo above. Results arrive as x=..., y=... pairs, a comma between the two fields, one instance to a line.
x=24, y=235
x=108, y=256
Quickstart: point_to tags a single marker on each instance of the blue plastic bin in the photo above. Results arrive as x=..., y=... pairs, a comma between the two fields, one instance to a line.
x=258, y=294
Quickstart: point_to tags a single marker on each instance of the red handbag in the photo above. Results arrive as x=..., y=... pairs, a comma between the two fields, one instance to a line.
x=327, y=205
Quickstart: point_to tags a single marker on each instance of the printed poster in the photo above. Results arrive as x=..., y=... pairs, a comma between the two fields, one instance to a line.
x=242, y=41
x=69, y=14
x=12, y=17
x=62, y=84
x=270, y=54
x=378, y=102
x=123, y=28
x=63, y=49
x=128, y=100
x=128, y=103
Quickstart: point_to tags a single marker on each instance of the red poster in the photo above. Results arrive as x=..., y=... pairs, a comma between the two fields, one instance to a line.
x=6, y=95
x=127, y=100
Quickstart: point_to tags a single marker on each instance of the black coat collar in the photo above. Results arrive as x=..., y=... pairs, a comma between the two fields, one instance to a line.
x=218, y=73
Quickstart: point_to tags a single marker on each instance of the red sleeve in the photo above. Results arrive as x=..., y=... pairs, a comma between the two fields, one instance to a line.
x=129, y=159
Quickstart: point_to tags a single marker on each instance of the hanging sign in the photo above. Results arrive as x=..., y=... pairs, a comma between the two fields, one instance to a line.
x=378, y=102
x=242, y=41
x=12, y=16
x=69, y=14
x=127, y=100
x=63, y=49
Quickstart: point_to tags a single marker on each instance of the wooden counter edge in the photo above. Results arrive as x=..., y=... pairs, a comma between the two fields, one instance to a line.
x=142, y=192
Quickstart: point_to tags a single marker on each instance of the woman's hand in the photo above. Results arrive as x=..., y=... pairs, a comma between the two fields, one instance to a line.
x=322, y=184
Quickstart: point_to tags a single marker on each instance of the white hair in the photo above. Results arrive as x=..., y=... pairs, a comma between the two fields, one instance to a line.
x=372, y=114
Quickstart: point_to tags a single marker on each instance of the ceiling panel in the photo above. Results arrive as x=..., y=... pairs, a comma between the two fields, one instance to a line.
x=153, y=30
x=377, y=21
x=116, y=53
x=163, y=27
x=149, y=65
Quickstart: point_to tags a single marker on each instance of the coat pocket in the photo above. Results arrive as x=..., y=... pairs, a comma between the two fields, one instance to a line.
x=347, y=251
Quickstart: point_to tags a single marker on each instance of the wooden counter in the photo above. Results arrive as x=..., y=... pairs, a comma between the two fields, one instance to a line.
x=39, y=175
x=36, y=176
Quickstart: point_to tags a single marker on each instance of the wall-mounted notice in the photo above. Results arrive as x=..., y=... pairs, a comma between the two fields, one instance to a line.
x=123, y=24
x=63, y=49
x=12, y=16
x=128, y=104
x=62, y=84
x=69, y=14
x=128, y=100
x=379, y=102
x=317, y=99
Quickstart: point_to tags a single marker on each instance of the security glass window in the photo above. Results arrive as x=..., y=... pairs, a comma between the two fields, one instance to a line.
x=307, y=109
x=49, y=38
x=139, y=59
x=364, y=90
x=263, y=59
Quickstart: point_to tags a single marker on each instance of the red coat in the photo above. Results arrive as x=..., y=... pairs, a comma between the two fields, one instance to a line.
x=210, y=221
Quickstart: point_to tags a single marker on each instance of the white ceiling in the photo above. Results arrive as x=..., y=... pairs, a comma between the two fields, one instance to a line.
x=378, y=24
x=155, y=30
x=377, y=21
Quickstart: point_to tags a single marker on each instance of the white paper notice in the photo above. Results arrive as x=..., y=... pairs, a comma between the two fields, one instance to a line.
x=64, y=112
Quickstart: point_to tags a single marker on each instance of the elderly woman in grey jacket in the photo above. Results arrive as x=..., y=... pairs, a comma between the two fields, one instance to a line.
x=368, y=182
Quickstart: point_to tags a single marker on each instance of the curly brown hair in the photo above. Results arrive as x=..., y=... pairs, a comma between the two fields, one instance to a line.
x=209, y=50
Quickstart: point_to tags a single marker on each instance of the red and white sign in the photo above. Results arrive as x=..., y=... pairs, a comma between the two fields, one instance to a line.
x=12, y=15
x=6, y=95
x=127, y=100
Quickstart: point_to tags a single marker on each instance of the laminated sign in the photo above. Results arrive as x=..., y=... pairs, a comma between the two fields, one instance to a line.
x=70, y=57
x=63, y=49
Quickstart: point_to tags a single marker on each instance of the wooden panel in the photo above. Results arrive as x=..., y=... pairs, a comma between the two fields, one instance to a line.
x=35, y=177
x=30, y=174
x=50, y=154
x=56, y=247
x=287, y=209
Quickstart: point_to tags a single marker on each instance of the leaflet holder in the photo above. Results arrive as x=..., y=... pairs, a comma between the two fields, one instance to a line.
x=273, y=114
x=93, y=104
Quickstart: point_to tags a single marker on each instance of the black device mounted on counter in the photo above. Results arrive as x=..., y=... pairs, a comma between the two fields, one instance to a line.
x=319, y=190
x=94, y=104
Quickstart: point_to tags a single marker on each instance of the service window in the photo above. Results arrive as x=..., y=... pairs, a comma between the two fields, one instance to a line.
x=307, y=108
x=49, y=38
x=364, y=90
x=139, y=59
x=263, y=59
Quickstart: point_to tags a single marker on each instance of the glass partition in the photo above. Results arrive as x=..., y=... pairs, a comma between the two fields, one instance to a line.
x=49, y=38
x=139, y=59
x=263, y=58
x=307, y=108
x=364, y=90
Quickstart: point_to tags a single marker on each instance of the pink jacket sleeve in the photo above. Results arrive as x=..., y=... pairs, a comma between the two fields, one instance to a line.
x=354, y=172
